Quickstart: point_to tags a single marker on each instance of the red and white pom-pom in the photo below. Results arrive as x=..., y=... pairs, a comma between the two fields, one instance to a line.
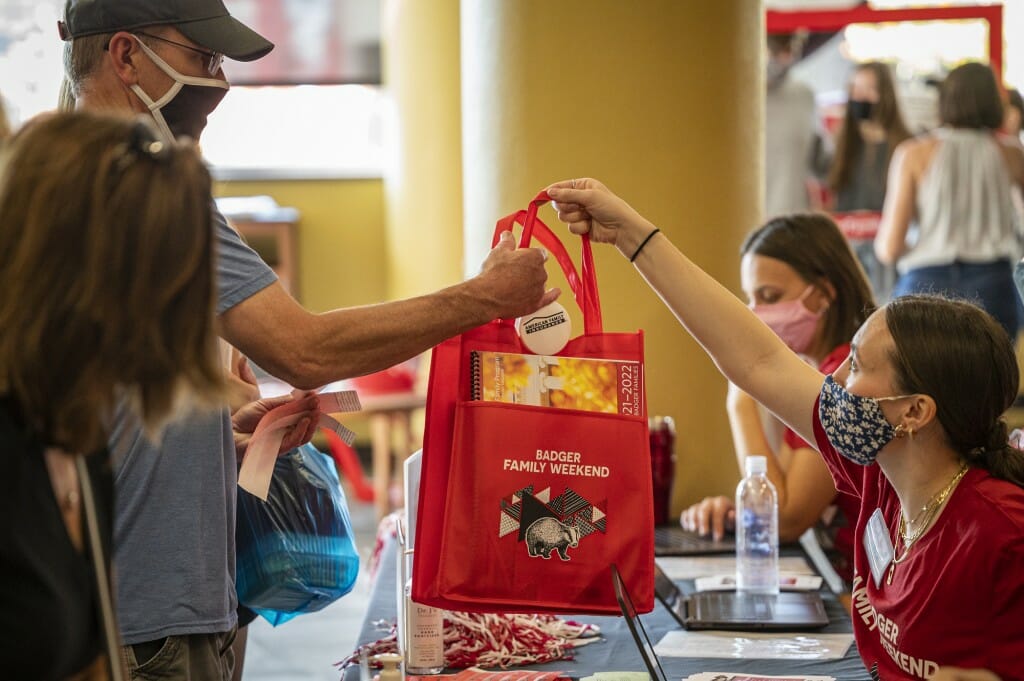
x=387, y=529
x=490, y=640
x=497, y=640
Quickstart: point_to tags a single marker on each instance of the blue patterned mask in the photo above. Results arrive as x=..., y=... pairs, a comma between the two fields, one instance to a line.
x=855, y=425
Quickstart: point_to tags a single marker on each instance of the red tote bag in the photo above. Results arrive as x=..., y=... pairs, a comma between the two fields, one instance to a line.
x=524, y=508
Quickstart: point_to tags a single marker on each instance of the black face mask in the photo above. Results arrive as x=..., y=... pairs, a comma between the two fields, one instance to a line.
x=185, y=106
x=186, y=114
x=860, y=109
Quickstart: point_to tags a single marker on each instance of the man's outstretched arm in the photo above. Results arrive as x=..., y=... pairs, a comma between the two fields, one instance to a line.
x=308, y=350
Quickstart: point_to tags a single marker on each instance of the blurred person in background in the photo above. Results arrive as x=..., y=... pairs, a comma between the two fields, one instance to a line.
x=792, y=145
x=871, y=129
x=948, y=222
x=1013, y=115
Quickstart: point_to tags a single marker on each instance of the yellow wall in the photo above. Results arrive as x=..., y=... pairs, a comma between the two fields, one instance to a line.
x=342, y=240
x=423, y=180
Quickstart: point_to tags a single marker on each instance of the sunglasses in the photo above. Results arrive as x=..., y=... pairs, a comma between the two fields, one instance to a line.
x=214, y=60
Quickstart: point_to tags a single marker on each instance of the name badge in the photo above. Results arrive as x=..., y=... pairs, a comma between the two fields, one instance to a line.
x=878, y=545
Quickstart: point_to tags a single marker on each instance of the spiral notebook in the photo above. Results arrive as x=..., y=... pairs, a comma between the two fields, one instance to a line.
x=603, y=385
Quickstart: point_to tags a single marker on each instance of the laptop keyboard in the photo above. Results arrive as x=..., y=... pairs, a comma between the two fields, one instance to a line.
x=675, y=541
x=728, y=607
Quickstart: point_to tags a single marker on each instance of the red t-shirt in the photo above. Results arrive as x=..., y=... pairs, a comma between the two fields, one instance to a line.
x=958, y=598
x=839, y=527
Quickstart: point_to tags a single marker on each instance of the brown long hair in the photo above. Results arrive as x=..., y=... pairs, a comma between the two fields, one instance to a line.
x=106, y=261
x=850, y=144
x=813, y=246
x=960, y=356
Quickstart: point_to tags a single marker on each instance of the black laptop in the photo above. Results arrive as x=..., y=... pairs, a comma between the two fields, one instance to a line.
x=636, y=628
x=673, y=540
x=735, y=611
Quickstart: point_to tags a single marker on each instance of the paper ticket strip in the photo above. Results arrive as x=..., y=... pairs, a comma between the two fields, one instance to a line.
x=258, y=465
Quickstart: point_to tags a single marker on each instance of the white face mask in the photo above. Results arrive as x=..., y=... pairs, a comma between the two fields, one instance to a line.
x=183, y=109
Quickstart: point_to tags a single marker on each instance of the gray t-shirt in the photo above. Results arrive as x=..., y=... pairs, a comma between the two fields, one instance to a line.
x=174, y=511
x=865, y=190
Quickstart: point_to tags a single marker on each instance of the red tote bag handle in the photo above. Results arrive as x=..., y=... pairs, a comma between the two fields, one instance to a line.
x=584, y=288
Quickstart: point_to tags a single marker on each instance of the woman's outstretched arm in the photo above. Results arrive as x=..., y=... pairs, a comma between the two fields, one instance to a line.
x=746, y=351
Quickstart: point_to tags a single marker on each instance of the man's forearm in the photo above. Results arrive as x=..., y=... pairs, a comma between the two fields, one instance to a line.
x=362, y=340
x=308, y=350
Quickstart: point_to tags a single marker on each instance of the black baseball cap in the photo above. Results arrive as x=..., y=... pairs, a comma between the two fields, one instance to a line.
x=204, y=22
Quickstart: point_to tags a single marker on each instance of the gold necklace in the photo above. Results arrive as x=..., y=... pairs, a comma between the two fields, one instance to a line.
x=925, y=516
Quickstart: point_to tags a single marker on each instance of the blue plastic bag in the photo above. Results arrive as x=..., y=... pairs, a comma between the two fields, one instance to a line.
x=295, y=551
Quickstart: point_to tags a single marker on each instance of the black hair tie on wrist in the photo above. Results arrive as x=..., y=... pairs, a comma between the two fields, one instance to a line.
x=644, y=243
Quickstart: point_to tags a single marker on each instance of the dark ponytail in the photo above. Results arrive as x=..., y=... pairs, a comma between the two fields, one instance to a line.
x=999, y=457
x=960, y=356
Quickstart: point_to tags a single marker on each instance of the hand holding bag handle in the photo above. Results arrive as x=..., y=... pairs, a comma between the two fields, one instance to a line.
x=584, y=287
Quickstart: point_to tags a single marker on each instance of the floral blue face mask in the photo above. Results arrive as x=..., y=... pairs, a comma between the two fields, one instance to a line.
x=855, y=425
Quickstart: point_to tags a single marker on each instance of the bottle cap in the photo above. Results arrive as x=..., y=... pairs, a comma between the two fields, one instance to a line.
x=390, y=662
x=659, y=422
x=546, y=331
x=756, y=465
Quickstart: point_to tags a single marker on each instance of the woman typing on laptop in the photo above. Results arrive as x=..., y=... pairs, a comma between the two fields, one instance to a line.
x=910, y=423
x=803, y=281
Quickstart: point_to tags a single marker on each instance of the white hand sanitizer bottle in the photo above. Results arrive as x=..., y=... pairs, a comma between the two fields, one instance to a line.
x=757, y=531
x=424, y=637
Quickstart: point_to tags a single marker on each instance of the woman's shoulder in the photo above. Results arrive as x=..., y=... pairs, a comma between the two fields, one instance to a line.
x=997, y=504
x=914, y=155
x=920, y=142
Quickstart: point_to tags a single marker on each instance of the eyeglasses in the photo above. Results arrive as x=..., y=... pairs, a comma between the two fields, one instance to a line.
x=213, y=59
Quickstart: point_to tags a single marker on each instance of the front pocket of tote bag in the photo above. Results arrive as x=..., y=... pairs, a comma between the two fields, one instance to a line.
x=541, y=501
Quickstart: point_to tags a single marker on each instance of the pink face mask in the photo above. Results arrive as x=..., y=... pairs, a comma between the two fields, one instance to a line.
x=791, y=321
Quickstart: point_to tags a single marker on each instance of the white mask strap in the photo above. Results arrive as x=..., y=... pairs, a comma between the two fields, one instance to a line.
x=154, y=107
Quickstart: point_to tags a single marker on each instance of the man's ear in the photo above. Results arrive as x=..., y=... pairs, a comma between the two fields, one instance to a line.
x=123, y=51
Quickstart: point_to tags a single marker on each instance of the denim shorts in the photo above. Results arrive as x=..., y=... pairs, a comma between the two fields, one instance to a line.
x=988, y=285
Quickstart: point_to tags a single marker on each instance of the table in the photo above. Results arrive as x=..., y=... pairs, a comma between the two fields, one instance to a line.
x=618, y=651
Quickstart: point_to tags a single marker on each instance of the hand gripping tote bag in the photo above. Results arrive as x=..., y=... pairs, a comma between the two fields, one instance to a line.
x=536, y=469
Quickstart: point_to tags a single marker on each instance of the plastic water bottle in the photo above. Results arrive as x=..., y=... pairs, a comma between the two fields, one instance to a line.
x=757, y=531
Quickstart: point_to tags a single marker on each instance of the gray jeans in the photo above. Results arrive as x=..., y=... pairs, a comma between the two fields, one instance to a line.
x=196, y=657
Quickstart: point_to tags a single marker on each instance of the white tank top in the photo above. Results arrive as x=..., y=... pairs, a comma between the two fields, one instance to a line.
x=964, y=209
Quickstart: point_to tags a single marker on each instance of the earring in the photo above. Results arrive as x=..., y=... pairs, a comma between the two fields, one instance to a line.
x=902, y=431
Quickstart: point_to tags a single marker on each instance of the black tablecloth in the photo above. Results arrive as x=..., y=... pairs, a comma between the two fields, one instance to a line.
x=618, y=652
